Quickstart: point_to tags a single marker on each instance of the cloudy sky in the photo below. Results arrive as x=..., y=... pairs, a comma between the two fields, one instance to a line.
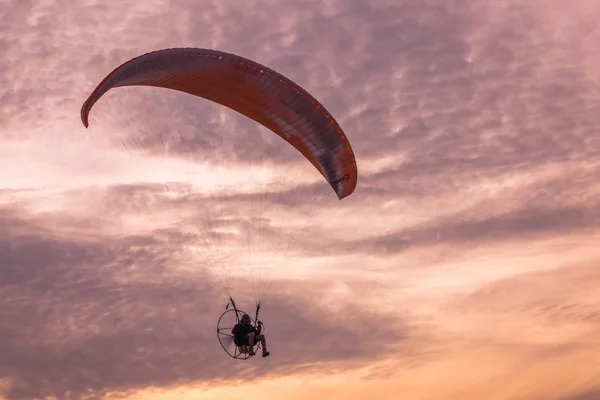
x=464, y=266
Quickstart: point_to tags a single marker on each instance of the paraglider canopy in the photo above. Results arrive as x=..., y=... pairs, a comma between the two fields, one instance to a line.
x=251, y=89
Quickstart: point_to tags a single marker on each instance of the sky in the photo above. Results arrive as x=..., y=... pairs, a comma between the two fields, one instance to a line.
x=464, y=266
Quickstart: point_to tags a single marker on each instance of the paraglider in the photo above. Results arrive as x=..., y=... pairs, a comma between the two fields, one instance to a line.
x=259, y=93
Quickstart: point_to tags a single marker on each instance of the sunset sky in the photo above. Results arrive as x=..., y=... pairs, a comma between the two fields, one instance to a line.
x=465, y=266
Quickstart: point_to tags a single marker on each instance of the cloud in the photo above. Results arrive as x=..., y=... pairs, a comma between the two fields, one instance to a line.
x=463, y=229
x=551, y=202
x=449, y=97
x=552, y=208
x=562, y=295
x=106, y=315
